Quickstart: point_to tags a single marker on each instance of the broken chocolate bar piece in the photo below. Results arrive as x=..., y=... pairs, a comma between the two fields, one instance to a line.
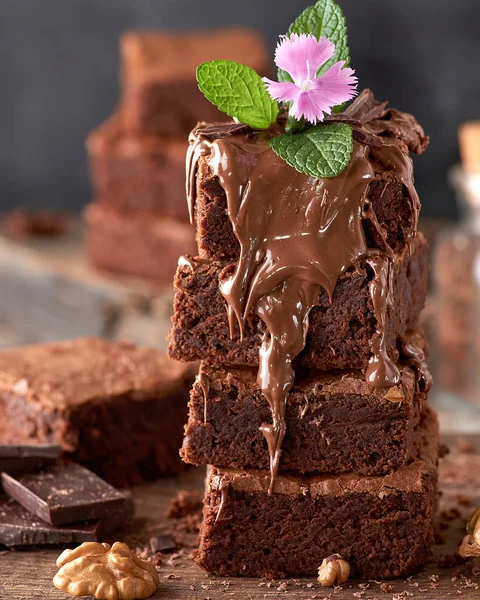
x=65, y=494
x=23, y=458
x=18, y=527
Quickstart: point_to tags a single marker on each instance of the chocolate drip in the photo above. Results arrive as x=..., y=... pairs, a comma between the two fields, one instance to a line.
x=381, y=368
x=223, y=498
x=415, y=357
x=192, y=262
x=204, y=381
x=297, y=235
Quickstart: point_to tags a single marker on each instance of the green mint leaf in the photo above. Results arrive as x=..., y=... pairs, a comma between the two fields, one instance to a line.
x=238, y=91
x=321, y=151
x=325, y=18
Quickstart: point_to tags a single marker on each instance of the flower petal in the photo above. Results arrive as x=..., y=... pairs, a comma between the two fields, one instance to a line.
x=302, y=55
x=310, y=105
x=337, y=85
x=282, y=91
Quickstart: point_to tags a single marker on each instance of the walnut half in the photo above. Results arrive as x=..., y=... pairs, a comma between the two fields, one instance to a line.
x=471, y=542
x=334, y=570
x=108, y=573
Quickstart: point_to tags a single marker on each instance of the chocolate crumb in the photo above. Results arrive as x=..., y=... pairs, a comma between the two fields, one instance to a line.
x=162, y=543
x=186, y=503
x=443, y=450
x=440, y=538
x=25, y=222
x=464, y=500
x=386, y=587
x=464, y=447
x=446, y=562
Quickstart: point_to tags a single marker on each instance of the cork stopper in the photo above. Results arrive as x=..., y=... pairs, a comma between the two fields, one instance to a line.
x=469, y=140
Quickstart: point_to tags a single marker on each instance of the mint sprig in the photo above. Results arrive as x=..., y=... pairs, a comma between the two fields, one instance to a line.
x=323, y=19
x=238, y=91
x=321, y=151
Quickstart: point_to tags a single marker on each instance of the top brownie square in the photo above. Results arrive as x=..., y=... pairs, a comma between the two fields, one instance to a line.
x=158, y=74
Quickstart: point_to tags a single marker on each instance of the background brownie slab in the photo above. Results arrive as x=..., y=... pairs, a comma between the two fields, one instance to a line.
x=158, y=75
x=138, y=173
x=340, y=332
x=381, y=525
x=335, y=423
x=390, y=202
x=116, y=408
x=143, y=245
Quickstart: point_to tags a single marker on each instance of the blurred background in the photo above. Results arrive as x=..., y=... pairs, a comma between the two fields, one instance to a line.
x=59, y=77
x=60, y=81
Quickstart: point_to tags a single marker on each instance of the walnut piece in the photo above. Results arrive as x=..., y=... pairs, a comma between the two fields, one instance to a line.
x=471, y=542
x=107, y=573
x=333, y=571
x=395, y=394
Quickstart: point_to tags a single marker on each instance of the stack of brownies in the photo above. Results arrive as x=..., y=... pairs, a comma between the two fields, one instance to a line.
x=357, y=469
x=137, y=224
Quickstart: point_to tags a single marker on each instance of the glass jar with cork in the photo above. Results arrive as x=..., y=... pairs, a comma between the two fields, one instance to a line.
x=457, y=279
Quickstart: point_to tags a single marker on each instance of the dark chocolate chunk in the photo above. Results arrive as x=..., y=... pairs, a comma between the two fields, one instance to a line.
x=367, y=138
x=162, y=543
x=65, y=494
x=18, y=527
x=20, y=459
x=364, y=108
x=220, y=130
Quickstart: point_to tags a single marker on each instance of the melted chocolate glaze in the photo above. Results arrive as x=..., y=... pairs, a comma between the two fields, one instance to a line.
x=204, y=381
x=298, y=234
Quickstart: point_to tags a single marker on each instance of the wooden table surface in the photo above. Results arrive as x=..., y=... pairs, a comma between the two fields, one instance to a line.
x=27, y=575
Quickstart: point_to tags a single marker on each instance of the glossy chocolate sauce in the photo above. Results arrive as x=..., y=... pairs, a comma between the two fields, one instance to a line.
x=204, y=382
x=297, y=235
x=413, y=355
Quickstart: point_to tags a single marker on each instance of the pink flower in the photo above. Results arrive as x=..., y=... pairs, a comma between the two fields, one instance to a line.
x=312, y=97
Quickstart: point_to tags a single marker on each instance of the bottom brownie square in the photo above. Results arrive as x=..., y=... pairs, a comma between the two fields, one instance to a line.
x=116, y=408
x=143, y=246
x=383, y=526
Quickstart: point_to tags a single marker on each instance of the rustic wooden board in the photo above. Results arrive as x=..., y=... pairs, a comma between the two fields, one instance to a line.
x=27, y=575
x=48, y=287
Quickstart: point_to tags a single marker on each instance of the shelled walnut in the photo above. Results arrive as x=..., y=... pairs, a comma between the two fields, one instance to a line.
x=333, y=571
x=107, y=573
x=471, y=542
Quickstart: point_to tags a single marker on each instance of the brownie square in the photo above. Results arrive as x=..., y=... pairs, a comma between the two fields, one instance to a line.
x=335, y=422
x=340, y=333
x=144, y=246
x=116, y=408
x=160, y=93
x=383, y=526
x=395, y=211
x=137, y=173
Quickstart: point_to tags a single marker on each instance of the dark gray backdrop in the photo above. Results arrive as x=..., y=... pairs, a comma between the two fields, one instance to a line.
x=58, y=75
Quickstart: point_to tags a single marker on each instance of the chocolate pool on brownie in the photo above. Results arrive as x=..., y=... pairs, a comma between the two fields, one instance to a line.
x=116, y=408
x=340, y=332
x=383, y=526
x=393, y=202
x=335, y=422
